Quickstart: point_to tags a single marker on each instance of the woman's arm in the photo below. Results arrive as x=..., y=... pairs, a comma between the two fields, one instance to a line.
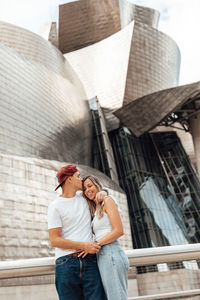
x=117, y=228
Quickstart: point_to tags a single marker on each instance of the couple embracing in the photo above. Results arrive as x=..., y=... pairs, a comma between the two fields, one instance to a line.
x=84, y=224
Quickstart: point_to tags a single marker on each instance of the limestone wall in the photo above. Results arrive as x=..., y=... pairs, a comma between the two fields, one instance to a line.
x=170, y=281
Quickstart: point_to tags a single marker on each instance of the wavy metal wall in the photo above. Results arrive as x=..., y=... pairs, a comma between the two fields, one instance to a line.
x=154, y=63
x=82, y=23
x=130, y=12
x=44, y=112
x=32, y=46
x=102, y=67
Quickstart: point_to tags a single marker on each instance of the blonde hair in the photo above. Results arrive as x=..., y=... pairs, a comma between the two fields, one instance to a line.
x=98, y=208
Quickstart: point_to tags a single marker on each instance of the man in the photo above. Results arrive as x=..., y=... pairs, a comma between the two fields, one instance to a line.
x=69, y=224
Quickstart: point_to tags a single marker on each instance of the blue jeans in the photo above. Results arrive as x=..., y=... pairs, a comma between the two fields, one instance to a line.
x=78, y=278
x=113, y=267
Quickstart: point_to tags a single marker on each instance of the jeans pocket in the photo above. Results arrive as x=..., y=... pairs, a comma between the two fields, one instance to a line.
x=61, y=261
x=124, y=259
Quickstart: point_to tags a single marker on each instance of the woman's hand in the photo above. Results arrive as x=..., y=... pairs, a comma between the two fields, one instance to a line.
x=82, y=254
x=100, y=196
x=91, y=247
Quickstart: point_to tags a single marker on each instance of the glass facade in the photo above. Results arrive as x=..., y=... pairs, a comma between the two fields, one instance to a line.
x=162, y=189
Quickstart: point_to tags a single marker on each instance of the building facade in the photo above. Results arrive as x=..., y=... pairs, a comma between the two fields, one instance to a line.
x=46, y=121
x=162, y=188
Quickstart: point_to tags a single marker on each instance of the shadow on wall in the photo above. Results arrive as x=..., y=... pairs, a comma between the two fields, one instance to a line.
x=78, y=150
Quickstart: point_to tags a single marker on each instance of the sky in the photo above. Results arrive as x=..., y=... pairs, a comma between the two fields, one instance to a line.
x=180, y=19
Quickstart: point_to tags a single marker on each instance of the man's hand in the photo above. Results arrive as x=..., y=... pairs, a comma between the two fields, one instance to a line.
x=100, y=196
x=91, y=247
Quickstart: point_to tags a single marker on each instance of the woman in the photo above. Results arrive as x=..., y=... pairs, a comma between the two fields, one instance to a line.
x=107, y=227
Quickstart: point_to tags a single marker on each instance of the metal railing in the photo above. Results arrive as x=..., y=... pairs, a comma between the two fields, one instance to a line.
x=137, y=257
x=172, y=295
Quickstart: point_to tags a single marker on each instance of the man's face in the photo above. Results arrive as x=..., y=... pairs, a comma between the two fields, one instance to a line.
x=76, y=180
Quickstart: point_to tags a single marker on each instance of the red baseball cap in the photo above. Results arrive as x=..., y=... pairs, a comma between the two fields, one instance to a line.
x=64, y=173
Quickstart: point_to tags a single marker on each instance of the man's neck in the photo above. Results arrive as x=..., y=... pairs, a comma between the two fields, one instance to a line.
x=69, y=193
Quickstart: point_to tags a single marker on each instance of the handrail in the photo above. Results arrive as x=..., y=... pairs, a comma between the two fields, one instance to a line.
x=170, y=295
x=158, y=255
x=137, y=257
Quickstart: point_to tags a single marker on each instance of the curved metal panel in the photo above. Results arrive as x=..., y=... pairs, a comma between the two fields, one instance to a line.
x=102, y=67
x=130, y=12
x=42, y=113
x=82, y=23
x=145, y=113
x=32, y=46
x=154, y=63
x=49, y=32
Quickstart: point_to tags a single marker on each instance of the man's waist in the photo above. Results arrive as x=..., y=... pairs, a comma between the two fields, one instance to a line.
x=76, y=237
x=75, y=255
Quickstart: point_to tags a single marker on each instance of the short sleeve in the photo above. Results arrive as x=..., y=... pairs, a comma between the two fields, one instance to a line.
x=54, y=219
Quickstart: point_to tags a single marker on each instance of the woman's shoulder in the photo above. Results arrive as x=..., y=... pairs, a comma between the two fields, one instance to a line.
x=109, y=201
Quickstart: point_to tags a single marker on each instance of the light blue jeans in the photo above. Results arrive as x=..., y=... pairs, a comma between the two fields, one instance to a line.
x=113, y=267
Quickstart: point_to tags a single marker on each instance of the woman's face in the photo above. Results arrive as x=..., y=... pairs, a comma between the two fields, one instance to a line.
x=89, y=189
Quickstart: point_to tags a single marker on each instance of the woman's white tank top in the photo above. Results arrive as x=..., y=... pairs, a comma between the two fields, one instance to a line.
x=101, y=226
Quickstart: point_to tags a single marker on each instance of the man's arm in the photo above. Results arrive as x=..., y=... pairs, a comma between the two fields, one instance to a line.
x=59, y=242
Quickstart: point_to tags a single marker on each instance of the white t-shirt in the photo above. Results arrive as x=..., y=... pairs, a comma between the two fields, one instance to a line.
x=73, y=215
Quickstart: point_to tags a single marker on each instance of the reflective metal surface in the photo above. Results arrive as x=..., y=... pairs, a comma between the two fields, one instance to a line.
x=45, y=115
x=49, y=32
x=33, y=47
x=44, y=112
x=129, y=64
x=146, y=112
x=154, y=63
x=82, y=23
x=130, y=12
x=102, y=67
